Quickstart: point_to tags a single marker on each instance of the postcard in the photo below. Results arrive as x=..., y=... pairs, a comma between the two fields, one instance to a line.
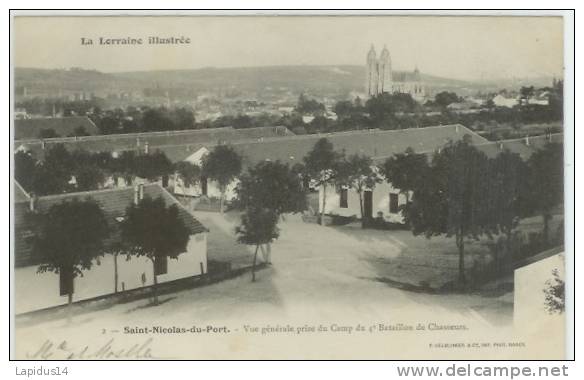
x=288, y=187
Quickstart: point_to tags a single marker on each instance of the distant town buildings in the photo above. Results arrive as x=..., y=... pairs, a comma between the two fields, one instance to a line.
x=380, y=78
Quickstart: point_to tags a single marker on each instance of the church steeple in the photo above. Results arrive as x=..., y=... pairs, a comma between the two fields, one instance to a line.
x=371, y=72
x=384, y=71
x=372, y=55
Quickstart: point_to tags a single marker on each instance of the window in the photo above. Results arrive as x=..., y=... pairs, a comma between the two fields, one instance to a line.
x=160, y=265
x=65, y=282
x=393, y=203
x=344, y=203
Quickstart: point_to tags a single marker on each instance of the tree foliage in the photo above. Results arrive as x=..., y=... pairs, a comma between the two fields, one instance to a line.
x=25, y=167
x=321, y=164
x=153, y=230
x=445, y=98
x=258, y=226
x=358, y=172
x=152, y=166
x=405, y=171
x=189, y=173
x=546, y=184
x=271, y=185
x=70, y=236
x=223, y=164
x=309, y=106
x=555, y=294
x=453, y=200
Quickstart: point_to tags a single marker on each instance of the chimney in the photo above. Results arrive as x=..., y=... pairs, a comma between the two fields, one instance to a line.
x=43, y=144
x=146, y=147
x=527, y=140
x=32, y=201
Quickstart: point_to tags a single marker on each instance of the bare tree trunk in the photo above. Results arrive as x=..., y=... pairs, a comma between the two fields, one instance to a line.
x=546, y=228
x=221, y=198
x=255, y=256
x=460, y=245
x=323, y=204
x=155, y=286
x=269, y=253
x=361, y=208
x=69, y=306
x=115, y=272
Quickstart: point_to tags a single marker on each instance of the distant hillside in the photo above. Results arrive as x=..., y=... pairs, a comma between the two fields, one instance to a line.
x=318, y=79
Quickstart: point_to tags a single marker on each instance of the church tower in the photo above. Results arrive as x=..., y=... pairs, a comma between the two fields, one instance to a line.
x=384, y=69
x=371, y=73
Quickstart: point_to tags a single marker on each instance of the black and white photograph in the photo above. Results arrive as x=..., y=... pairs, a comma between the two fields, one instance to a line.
x=317, y=187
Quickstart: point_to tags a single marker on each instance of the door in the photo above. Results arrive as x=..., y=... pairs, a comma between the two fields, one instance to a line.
x=368, y=204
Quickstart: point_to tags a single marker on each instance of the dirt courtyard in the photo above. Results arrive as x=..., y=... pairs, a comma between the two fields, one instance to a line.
x=317, y=274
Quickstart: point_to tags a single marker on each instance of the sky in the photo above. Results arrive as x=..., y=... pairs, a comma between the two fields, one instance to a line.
x=454, y=47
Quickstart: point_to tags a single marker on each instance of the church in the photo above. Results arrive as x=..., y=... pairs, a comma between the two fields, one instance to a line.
x=380, y=78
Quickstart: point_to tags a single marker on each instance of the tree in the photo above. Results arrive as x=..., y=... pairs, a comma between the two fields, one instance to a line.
x=53, y=174
x=157, y=119
x=358, y=172
x=125, y=166
x=152, y=166
x=546, y=183
x=79, y=131
x=555, y=294
x=24, y=169
x=48, y=133
x=189, y=174
x=258, y=227
x=89, y=177
x=453, y=198
x=508, y=186
x=70, y=236
x=152, y=230
x=320, y=165
x=271, y=185
x=108, y=125
x=383, y=108
x=405, y=171
x=526, y=93
x=309, y=106
x=223, y=164
x=445, y=98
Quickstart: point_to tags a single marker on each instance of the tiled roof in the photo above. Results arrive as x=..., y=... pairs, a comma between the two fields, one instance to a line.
x=405, y=76
x=169, y=140
x=19, y=194
x=520, y=146
x=373, y=143
x=25, y=129
x=113, y=202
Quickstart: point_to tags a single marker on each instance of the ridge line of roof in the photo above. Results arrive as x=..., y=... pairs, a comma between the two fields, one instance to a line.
x=21, y=188
x=180, y=205
x=91, y=192
x=142, y=134
x=518, y=139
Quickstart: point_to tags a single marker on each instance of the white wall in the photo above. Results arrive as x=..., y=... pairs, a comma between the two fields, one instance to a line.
x=33, y=291
x=530, y=282
x=531, y=320
x=212, y=189
x=380, y=202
